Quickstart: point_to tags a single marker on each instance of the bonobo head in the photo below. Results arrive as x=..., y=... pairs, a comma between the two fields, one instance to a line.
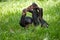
x=34, y=5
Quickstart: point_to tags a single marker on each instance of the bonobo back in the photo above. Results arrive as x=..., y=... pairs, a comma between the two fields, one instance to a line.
x=28, y=20
x=25, y=21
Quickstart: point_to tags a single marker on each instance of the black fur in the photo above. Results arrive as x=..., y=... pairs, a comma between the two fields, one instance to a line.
x=36, y=21
x=25, y=21
x=35, y=17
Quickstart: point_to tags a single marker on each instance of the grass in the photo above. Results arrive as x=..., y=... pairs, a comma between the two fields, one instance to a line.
x=10, y=14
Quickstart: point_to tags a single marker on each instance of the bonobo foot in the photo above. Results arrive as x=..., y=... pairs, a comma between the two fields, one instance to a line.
x=44, y=24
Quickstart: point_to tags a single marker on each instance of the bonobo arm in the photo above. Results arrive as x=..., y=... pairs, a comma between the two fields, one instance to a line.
x=28, y=9
x=24, y=13
x=40, y=13
x=23, y=17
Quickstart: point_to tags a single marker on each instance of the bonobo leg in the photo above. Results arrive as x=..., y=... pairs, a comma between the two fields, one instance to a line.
x=44, y=23
x=22, y=21
x=35, y=21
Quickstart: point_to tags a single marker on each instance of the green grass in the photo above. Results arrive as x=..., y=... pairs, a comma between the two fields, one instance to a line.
x=10, y=14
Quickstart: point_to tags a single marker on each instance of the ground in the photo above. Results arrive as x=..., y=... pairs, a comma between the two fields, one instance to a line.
x=10, y=14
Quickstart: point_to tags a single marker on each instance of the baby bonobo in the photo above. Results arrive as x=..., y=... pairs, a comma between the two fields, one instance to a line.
x=37, y=16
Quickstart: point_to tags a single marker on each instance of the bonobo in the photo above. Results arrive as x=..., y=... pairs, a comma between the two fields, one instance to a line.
x=37, y=14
